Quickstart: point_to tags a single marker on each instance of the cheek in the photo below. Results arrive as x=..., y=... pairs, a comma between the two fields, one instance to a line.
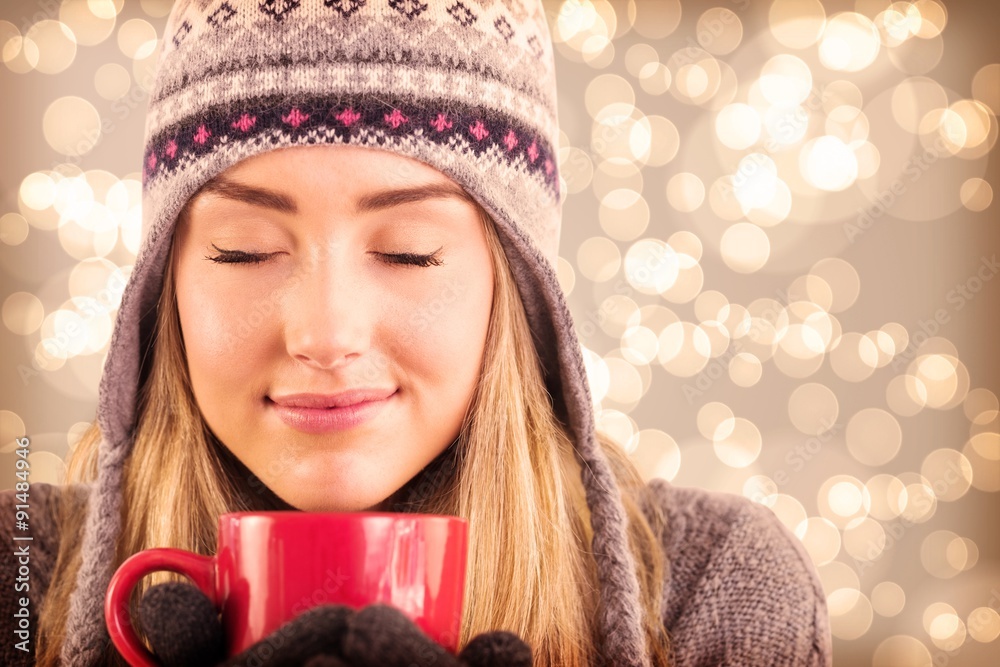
x=445, y=331
x=220, y=328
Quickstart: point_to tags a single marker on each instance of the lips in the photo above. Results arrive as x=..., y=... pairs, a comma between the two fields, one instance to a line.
x=323, y=413
x=338, y=400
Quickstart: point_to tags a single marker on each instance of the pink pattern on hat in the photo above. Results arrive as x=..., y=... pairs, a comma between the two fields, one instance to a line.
x=533, y=151
x=245, y=122
x=478, y=130
x=441, y=123
x=396, y=118
x=151, y=161
x=510, y=140
x=295, y=117
x=202, y=135
x=348, y=116
x=171, y=150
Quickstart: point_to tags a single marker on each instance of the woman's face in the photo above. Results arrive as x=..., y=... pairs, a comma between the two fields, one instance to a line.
x=307, y=274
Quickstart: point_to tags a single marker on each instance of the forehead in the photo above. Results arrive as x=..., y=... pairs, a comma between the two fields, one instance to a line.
x=345, y=178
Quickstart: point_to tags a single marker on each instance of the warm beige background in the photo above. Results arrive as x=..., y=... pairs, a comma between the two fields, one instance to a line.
x=872, y=429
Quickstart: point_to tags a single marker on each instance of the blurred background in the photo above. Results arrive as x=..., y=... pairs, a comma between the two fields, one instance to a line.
x=780, y=247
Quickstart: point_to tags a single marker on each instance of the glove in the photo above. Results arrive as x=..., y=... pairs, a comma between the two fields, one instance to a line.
x=183, y=628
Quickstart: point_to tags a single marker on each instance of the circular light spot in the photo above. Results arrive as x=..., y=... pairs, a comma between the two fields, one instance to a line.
x=738, y=126
x=719, y=31
x=785, y=80
x=933, y=18
x=37, y=191
x=850, y=42
x=598, y=259
x=741, y=447
x=788, y=510
x=744, y=369
x=944, y=377
x=981, y=405
x=690, y=279
x=566, y=276
x=914, y=98
x=56, y=46
x=976, y=194
x=89, y=28
x=921, y=504
x=20, y=54
x=986, y=86
x=597, y=375
x=685, y=192
x=843, y=499
x=948, y=472
x=624, y=214
x=11, y=428
x=156, y=8
x=888, y=496
x=849, y=125
x=655, y=20
x=639, y=345
x=715, y=421
x=13, y=229
x=651, y=266
x=984, y=624
x=684, y=349
x=854, y=358
x=664, y=140
x=23, y=313
x=986, y=445
x=71, y=126
x=850, y=613
x=901, y=650
x=873, y=436
x=828, y=164
x=888, y=598
x=813, y=408
x=657, y=455
x=686, y=243
x=639, y=56
x=655, y=78
x=625, y=386
x=917, y=56
x=906, y=395
x=112, y=81
x=843, y=280
x=137, y=38
x=47, y=468
x=820, y=538
x=864, y=539
x=797, y=24
x=605, y=90
x=745, y=247
x=76, y=433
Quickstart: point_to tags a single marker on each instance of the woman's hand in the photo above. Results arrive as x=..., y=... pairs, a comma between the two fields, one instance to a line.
x=184, y=629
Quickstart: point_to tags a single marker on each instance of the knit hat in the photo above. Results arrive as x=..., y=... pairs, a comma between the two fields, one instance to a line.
x=467, y=87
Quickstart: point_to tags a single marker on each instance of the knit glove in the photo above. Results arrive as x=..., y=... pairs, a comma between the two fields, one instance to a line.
x=184, y=630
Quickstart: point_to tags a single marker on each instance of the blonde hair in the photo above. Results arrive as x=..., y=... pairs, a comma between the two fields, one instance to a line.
x=511, y=472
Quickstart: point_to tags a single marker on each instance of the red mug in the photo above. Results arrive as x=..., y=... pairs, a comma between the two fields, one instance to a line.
x=272, y=566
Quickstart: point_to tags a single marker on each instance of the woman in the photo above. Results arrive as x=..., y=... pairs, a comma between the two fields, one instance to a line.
x=347, y=195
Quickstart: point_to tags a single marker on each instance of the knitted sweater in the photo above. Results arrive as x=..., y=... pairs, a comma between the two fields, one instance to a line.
x=741, y=588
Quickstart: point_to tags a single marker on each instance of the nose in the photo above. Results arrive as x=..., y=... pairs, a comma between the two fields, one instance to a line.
x=327, y=316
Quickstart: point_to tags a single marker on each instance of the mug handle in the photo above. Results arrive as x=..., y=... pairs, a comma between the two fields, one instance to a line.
x=199, y=569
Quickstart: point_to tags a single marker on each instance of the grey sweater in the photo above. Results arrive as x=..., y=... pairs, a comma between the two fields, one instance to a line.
x=741, y=589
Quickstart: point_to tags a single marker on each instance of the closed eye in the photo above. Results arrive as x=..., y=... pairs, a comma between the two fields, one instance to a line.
x=413, y=259
x=239, y=256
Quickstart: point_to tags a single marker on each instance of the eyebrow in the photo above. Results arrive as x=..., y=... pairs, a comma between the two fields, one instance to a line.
x=368, y=203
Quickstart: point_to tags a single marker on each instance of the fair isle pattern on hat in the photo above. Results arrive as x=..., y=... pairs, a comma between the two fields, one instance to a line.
x=465, y=86
x=320, y=122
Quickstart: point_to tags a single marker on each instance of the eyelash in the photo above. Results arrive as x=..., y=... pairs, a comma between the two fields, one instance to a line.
x=243, y=257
